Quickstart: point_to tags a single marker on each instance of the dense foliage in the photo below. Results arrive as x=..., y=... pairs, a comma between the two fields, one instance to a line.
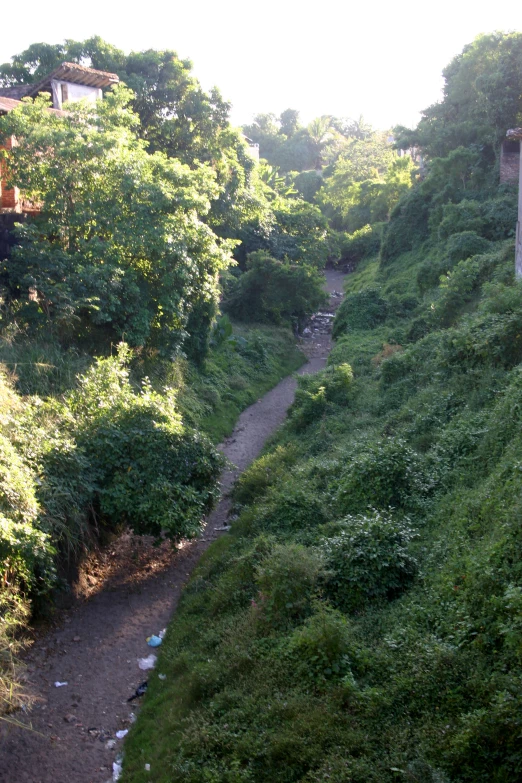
x=362, y=620
x=119, y=242
x=274, y=291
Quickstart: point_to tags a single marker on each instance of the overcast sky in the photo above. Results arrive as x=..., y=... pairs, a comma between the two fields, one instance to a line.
x=379, y=59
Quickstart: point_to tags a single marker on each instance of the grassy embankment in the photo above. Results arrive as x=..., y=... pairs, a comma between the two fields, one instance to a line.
x=62, y=453
x=363, y=619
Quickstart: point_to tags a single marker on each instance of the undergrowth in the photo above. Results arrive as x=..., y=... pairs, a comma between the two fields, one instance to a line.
x=88, y=446
x=362, y=620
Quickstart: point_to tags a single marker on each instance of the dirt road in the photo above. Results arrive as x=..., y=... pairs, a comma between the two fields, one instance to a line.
x=133, y=589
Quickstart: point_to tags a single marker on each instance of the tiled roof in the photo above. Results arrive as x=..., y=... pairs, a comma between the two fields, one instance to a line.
x=7, y=104
x=77, y=74
x=16, y=92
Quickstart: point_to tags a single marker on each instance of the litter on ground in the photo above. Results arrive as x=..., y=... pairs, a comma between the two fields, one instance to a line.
x=140, y=690
x=60, y=684
x=147, y=663
x=117, y=769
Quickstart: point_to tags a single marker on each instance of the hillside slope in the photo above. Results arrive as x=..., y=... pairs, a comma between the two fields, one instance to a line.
x=362, y=620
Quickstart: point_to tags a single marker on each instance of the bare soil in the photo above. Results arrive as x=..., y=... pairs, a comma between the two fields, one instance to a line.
x=124, y=594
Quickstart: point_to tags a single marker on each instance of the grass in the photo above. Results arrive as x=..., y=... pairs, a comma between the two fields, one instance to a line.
x=416, y=680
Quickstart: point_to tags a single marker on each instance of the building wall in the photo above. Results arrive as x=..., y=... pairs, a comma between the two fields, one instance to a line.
x=509, y=161
x=9, y=197
x=72, y=92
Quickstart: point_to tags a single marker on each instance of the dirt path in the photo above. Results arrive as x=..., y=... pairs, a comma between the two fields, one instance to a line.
x=132, y=589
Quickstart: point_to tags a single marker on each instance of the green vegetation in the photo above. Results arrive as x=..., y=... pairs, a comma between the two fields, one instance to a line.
x=142, y=200
x=362, y=620
x=275, y=291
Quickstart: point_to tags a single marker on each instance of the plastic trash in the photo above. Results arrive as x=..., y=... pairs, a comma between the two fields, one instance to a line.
x=60, y=684
x=140, y=690
x=117, y=769
x=122, y=733
x=147, y=663
x=132, y=717
x=154, y=641
x=147, y=767
x=162, y=633
x=110, y=744
x=162, y=676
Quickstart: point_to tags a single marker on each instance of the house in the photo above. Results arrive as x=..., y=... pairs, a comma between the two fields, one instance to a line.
x=252, y=146
x=68, y=82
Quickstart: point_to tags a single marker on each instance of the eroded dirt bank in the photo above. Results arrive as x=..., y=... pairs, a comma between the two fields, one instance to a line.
x=133, y=590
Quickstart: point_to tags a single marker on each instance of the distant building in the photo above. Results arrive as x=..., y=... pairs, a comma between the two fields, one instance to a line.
x=509, y=160
x=253, y=148
x=68, y=82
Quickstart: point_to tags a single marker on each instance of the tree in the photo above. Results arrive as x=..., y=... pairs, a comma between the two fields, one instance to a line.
x=366, y=182
x=120, y=242
x=322, y=134
x=275, y=291
x=482, y=99
x=177, y=116
x=289, y=122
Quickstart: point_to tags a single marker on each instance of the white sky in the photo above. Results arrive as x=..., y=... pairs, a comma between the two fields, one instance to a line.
x=379, y=59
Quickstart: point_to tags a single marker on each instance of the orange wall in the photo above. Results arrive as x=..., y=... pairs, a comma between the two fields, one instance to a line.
x=9, y=198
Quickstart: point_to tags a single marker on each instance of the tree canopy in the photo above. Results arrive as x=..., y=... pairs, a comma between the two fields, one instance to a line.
x=482, y=98
x=120, y=240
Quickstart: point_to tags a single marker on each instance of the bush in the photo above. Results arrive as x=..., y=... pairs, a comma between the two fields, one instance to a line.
x=315, y=392
x=362, y=310
x=500, y=216
x=368, y=559
x=363, y=243
x=388, y=474
x=25, y=552
x=287, y=580
x=293, y=507
x=263, y=473
x=464, y=245
x=462, y=217
x=408, y=226
x=150, y=471
x=461, y=286
x=320, y=648
x=275, y=291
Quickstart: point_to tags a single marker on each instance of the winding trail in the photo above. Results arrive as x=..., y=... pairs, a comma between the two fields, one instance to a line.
x=132, y=590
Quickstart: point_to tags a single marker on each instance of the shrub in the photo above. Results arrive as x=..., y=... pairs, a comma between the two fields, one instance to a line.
x=368, y=559
x=362, y=310
x=292, y=507
x=460, y=286
x=320, y=648
x=152, y=472
x=275, y=291
x=25, y=551
x=462, y=217
x=388, y=474
x=363, y=243
x=464, y=245
x=263, y=473
x=500, y=216
x=287, y=580
x=408, y=226
x=315, y=392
